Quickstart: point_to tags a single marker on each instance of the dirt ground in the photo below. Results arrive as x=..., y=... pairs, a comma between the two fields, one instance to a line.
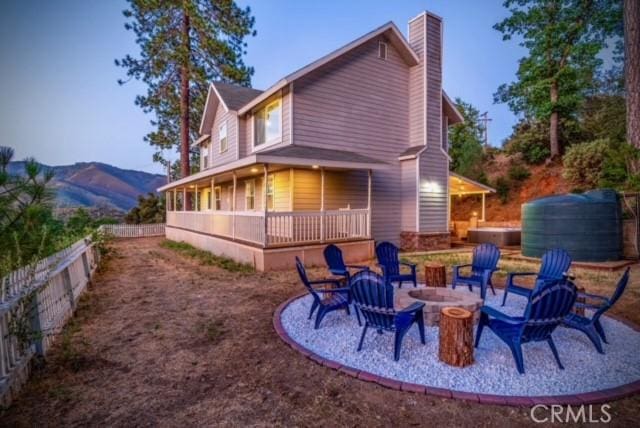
x=160, y=340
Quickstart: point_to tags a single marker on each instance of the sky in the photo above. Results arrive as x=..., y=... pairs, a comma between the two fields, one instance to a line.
x=60, y=101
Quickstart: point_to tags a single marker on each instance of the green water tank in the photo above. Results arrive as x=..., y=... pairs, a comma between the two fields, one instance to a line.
x=588, y=226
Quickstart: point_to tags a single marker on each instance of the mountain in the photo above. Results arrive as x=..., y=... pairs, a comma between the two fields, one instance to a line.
x=95, y=184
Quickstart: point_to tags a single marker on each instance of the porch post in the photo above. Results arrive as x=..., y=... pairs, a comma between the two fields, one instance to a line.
x=233, y=207
x=290, y=189
x=369, y=174
x=321, y=204
x=175, y=199
x=264, y=204
x=184, y=198
x=483, y=207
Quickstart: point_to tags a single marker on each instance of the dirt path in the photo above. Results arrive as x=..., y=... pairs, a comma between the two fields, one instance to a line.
x=161, y=340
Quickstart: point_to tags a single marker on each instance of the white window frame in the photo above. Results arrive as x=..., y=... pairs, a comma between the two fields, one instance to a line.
x=216, y=198
x=382, y=45
x=230, y=197
x=271, y=203
x=223, y=126
x=267, y=143
x=250, y=183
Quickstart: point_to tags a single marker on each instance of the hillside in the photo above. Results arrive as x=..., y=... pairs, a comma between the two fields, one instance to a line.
x=94, y=184
x=545, y=180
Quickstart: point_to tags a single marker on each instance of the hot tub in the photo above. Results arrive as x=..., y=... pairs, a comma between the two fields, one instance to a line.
x=500, y=236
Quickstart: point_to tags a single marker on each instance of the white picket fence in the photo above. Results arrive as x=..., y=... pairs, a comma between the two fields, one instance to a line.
x=41, y=298
x=133, y=230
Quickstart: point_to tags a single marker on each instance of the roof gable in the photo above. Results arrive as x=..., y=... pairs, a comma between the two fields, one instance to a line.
x=230, y=96
x=389, y=30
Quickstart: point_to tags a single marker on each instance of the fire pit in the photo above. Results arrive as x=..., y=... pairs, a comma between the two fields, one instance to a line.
x=437, y=298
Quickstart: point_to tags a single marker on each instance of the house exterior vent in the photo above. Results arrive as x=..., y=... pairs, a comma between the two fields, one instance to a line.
x=382, y=50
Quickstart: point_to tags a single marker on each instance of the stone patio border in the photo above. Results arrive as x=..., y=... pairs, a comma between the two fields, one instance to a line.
x=594, y=397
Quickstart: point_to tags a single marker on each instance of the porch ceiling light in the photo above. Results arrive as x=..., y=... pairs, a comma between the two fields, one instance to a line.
x=315, y=166
x=254, y=170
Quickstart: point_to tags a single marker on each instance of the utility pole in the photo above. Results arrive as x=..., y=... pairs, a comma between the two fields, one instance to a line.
x=484, y=118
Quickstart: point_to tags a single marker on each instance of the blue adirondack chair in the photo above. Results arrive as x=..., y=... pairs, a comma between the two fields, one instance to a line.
x=389, y=262
x=373, y=296
x=484, y=263
x=591, y=326
x=547, y=308
x=555, y=263
x=327, y=295
x=335, y=262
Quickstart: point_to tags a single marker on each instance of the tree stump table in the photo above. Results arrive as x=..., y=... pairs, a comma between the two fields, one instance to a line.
x=435, y=274
x=456, y=337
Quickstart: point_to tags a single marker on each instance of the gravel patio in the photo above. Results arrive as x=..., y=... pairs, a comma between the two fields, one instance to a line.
x=160, y=339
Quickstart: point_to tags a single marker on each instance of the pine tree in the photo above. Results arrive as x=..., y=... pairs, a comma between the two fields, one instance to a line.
x=184, y=45
x=563, y=39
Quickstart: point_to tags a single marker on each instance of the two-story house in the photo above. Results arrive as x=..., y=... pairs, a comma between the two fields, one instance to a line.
x=350, y=149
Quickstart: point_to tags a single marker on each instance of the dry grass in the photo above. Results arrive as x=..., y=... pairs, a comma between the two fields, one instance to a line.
x=162, y=339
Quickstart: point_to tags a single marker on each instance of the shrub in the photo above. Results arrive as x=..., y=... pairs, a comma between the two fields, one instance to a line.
x=518, y=172
x=502, y=186
x=583, y=163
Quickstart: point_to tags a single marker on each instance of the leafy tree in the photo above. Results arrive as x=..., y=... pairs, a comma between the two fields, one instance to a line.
x=150, y=209
x=465, y=143
x=184, y=45
x=583, y=163
x=563, y=38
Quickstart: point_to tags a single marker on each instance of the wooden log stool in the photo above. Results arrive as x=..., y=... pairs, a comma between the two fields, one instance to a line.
x=456, y=337
x=435, y=274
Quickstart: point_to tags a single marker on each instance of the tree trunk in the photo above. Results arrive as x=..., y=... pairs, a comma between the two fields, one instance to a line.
x=632, y=69
x=184, y=99
x=553, y=122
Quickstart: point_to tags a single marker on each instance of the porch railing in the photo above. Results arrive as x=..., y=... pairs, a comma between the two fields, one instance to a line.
x=280, y=228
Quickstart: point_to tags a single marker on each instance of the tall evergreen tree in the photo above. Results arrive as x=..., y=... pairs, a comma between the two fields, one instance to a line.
x=563, y=39
x=184, y=44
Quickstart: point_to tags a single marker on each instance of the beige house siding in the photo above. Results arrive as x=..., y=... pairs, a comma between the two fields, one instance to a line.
x=416, y=83
x=231, y=153
x=408, y=188
x=359, y=103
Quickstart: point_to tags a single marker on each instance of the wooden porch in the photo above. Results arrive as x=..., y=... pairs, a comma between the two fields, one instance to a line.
x=274, y=206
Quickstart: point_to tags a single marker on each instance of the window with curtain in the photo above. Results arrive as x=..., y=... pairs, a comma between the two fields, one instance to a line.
x=222, y=133
x=250, y=195
x=217, y=197
x=270, y=191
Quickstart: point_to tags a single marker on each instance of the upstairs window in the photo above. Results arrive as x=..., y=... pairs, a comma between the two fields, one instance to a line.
x=267, y=124
x=250, y=195
x=382, y=50
x=205, y=156
x=224, y=142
